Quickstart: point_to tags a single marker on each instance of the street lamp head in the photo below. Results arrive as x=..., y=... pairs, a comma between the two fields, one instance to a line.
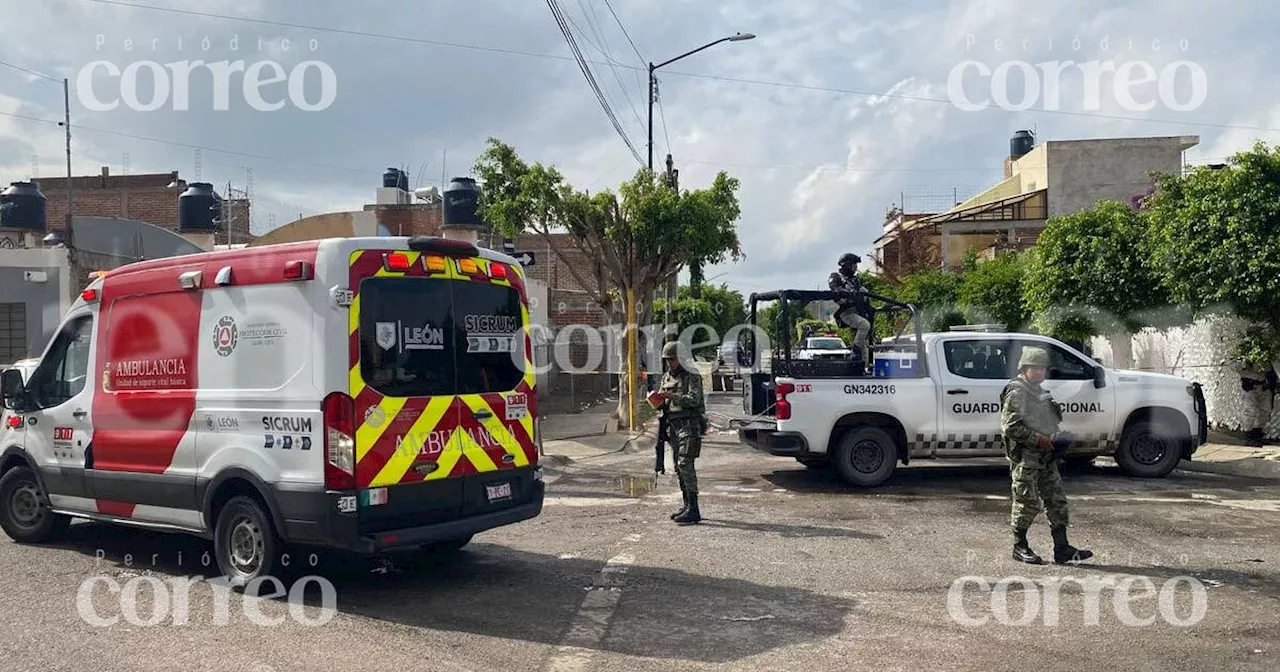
x=740, y=37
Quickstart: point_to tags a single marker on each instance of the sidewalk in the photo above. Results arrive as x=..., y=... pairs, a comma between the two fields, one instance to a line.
x=1232, y=460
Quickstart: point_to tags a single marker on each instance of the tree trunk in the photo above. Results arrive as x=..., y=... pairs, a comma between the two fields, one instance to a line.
x=1121, y=349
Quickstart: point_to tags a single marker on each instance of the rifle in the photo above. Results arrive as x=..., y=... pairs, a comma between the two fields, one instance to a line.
x=659, y=452
x=1061, y=441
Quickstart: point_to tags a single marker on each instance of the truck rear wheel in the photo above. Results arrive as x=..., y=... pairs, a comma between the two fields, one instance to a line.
x=1148, y=450
x=866, y=456
x=245, y=542
x=24, y=509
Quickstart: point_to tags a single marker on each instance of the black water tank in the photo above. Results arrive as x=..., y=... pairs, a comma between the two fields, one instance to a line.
x=199, y=208
x=22, y=206
x=460, y=202
x=1021, y=143
x=391, y=178
x=403, y=182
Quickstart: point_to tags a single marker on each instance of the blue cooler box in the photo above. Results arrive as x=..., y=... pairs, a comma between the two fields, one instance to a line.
x=895, y=365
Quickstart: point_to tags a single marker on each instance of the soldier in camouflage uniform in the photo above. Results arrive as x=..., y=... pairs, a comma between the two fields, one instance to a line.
x=852, y=311
x=684, y=409
x=1029, y=421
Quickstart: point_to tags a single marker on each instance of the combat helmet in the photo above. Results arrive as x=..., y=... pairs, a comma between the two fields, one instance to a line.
x=849, y=259
x=1033, y=357
x=671, y=350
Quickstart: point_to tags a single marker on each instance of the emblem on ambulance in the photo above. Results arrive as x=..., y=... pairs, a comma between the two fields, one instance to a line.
x=385, y=335
x=225, y=336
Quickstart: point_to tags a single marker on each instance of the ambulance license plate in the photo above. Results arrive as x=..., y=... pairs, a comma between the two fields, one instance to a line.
x=499, y=491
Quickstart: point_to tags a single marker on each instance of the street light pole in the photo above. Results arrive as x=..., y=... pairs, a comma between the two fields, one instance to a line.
x=653, y=91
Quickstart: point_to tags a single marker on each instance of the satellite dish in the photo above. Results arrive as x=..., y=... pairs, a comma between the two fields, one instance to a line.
x=428, y=194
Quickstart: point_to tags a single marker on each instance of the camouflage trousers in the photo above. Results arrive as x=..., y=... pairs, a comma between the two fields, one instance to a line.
x=686, y=443
x=1036, y=487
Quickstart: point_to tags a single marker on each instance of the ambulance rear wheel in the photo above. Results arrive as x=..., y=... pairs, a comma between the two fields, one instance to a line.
x=244, y=541
x=24, y=509
x=866, y=456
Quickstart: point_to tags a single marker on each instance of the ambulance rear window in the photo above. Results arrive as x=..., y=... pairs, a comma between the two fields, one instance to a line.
x=423, y=337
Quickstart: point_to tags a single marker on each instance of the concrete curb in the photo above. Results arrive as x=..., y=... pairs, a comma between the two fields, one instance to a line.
x=1250, y=467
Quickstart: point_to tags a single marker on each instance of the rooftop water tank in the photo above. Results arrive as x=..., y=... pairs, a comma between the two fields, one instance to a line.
x=1021, y=143
x=403, y=182
x=391, y=178
x=199, y=208
x=22, y=206
x=461, y=199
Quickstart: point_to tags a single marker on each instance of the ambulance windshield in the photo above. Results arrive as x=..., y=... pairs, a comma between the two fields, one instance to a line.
x=423, y=336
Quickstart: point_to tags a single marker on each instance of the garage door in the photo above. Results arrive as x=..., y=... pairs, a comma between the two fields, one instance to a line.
x=13, y=332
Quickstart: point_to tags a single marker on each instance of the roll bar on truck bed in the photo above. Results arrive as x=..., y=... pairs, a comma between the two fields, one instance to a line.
x=756, y=388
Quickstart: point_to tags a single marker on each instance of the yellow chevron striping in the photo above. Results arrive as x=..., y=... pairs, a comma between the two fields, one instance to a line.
x=402, y=460
x=479, y=459
x=497, y=429
x=356, y=381
x=367, y=435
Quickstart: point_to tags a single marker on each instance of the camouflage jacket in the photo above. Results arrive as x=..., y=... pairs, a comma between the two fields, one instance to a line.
x=1027, y=412
x=839, y=282
x=689, y=401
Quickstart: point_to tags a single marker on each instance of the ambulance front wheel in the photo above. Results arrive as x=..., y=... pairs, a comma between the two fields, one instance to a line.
x=245, y=542
x=24, y=509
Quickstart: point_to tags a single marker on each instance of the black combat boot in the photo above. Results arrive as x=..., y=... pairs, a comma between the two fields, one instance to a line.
x=1064, y=552
x=1022, y=549
x=691, y=515
x=684, y=508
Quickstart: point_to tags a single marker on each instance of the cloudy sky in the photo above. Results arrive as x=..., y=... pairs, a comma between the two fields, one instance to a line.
x=835, y=112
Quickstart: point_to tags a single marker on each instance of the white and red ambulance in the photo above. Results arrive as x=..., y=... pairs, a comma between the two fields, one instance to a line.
x=363, y=394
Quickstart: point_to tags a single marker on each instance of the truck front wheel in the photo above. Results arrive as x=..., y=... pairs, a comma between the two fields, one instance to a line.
x=1148, y=450
x=866, y=456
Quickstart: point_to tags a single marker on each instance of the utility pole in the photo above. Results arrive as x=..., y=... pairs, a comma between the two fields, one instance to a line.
x=70, y=241
x=673, y=181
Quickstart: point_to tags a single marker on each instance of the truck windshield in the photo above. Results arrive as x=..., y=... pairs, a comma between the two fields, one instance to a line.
x=424, y=336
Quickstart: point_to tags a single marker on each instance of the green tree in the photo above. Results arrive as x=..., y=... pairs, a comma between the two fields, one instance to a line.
x=635, y=239
x=992, y=292
x=1214, y=239
x=936, y=294
x=1088, y=275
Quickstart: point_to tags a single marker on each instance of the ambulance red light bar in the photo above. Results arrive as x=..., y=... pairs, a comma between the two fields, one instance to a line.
x=445, y=246
x=89, y=295
x=396, y=261
x=498, y=271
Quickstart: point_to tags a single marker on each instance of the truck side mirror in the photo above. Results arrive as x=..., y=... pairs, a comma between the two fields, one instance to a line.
x=13, y=388
x=1099, y=377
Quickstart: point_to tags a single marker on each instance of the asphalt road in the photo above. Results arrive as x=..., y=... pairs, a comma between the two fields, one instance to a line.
x=789, y=571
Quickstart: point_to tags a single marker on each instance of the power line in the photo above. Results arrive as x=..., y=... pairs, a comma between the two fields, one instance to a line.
x=624, y=31
x=188, y=145
x=602, y=47
x=30, y=72
x=736, y=80
x=591, y=80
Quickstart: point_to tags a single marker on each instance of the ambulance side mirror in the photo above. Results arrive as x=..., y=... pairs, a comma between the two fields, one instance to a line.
x=13, y=387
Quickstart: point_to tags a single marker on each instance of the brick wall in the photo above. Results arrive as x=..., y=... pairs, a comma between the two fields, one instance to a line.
x=409, y=220
x=146, y=198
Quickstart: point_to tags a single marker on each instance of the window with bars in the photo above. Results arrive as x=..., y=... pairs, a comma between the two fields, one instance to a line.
x=13, y=332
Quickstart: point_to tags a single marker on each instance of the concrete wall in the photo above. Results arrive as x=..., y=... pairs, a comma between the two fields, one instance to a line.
x=1202, y=353
x=46, y=302
x=1082, y=172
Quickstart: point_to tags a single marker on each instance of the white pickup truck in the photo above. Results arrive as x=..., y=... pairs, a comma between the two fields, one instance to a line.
x=823, y=347
x=942, y=400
